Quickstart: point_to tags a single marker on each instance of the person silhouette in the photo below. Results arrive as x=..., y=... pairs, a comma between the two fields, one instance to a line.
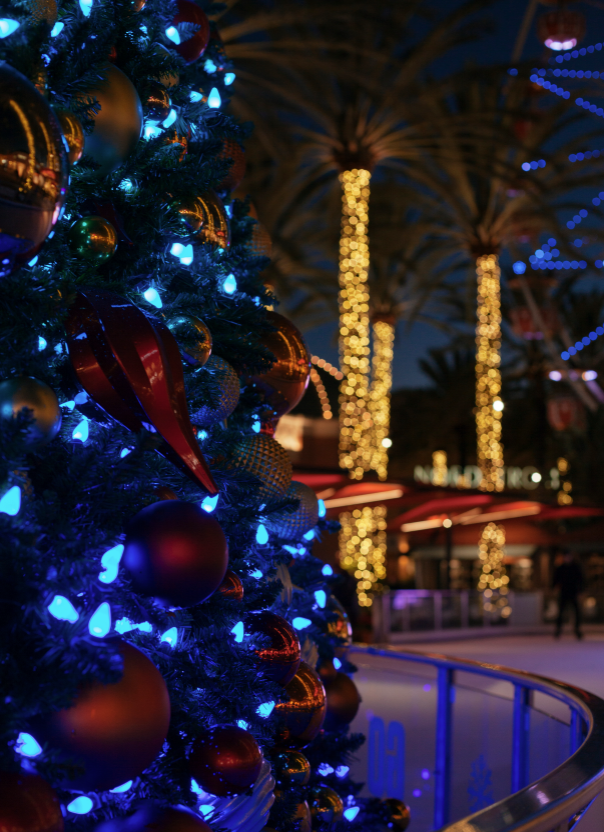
x=568, y=579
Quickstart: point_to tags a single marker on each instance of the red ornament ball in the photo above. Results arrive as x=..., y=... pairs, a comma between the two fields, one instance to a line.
x=232, y=587
x=194, y=47
x=343, y=700
x=28, y=804
x=279, y=653
x=176, y=552
x=114, y=731
x=304, y=713
x=234, y=153
x=226, y=760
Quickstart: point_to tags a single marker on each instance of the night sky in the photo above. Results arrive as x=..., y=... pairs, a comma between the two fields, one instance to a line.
x=496, y=48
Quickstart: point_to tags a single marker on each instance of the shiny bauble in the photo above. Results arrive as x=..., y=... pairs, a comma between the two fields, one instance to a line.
x=118, y=124
x=225, y=760
x=33, y=169
x=233, y=153
x=23, y=391
x=43, y=10
x=303, y=817
x=28, y=804
x=400, y=814
x=164, y=493
x=192, y=48
x=114, y=730
x=260, y=244
x=93, y=238
x=176, y=552
x=190, y=327
x=245, y=812
x=286, y=381
x=326, y=805
x=292, y=525
x=228, y=393
x=264, y=458
x=292, y=768
x=304, y=713
x=279, y=653
x=158, y=102
x=74, y=135
x=343, y=700
x=338, y=626
x=204, y=219
x=231, y=587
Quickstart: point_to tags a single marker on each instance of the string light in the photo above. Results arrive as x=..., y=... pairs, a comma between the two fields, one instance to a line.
x=493, y=582
x=321, y=393
x=564, y=495
x=488, y=374
x=440, y=471
x=363, y=549
x=354, y=323
x=379, y=395
x=526, y=166
x=584, y=342
x=329, y=368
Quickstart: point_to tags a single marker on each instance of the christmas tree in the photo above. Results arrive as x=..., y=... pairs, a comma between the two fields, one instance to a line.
x=171, y=654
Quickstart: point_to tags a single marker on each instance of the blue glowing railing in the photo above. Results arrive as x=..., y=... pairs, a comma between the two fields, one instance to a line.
x=476, y=747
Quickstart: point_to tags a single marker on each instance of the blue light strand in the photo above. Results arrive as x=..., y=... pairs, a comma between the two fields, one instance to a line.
x=526, y=166
x=597, y=47
x=593, y=108
x=551, y=87
x=584, y=342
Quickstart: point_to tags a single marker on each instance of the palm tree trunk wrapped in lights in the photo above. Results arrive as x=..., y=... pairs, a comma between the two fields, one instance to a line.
x=363, y=549
x=493, y=582
x=355, y=421
x=488, y=375
x=383, y=329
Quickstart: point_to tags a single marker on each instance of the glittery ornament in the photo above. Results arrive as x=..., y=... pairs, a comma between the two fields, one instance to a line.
x=228, y=393
x=93, y=238
x=279, y=655
x=326, y=805
x=304, y=712
x=225, y=760
x=39, y=399
x=28, y=804
x=291, y=526
x=264, y=458
x=400, y=814
x=292, y=768
x=43, y=10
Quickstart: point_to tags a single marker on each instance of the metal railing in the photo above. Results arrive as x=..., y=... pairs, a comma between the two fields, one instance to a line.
x=563, y=797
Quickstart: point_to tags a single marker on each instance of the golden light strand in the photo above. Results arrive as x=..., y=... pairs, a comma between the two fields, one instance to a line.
x=440, y=471
x=355, y=420
x=325, y=365
x=379, y=395
x=493, y=582
x=488, y=375
x=564, y=496
x=321, y=393
x=363, y=549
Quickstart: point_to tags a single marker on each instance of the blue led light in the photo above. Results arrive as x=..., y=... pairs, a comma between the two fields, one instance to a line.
x=201, y=435
x=27, y=746
x=124, y=625
x=56, y=30
x=11, y=501
x=256, y=573
x=229, y=78
x=123, y=788
x=80, y=806
x=100, y=621
x=337, y=664
x=206, y=809
x=256, y=425
x=327, y=570
x=209, y=503
x=238, y=631
x=309, y=535
x=169, y=121
x=7, y=27
x=170, y=637
x=173, y=34
x=210, y=66
x=126, y=185
x=33, y=261
x=151, y=130
x=342, y=771
x=265, y=710
x=261, y=535
x=351, y=813
x=68, y=405
x=321, y=598
x=243, y=724
x=184, y=253
x=42, y=343
x=324, y=769
x=229, y=284
x=196, y=788
x=111, y=563
x=124, y=452
x=86, y=7
x=195, y=96
x=80, y=432
x=519, y=267
x=151, y=295
x=62, y=609
x=214, y=99
x=300, y=623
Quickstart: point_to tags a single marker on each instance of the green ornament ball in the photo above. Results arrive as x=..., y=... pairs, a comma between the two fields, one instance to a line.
x=93, y=238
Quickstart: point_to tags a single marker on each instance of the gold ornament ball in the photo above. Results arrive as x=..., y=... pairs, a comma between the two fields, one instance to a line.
x=338, y=626
x=400, y=814
x=326, y=805
x=74, y=135
x=33, y=169
x=188, y=326
x=158, y=102
x=304, y=712
x=228, y=395
x=43, y=10
x=264, y=458
x=93, y=238
x=40, y=399
x=204, y=218
x=304, y=817
x=292, y=768
x=118, y=124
